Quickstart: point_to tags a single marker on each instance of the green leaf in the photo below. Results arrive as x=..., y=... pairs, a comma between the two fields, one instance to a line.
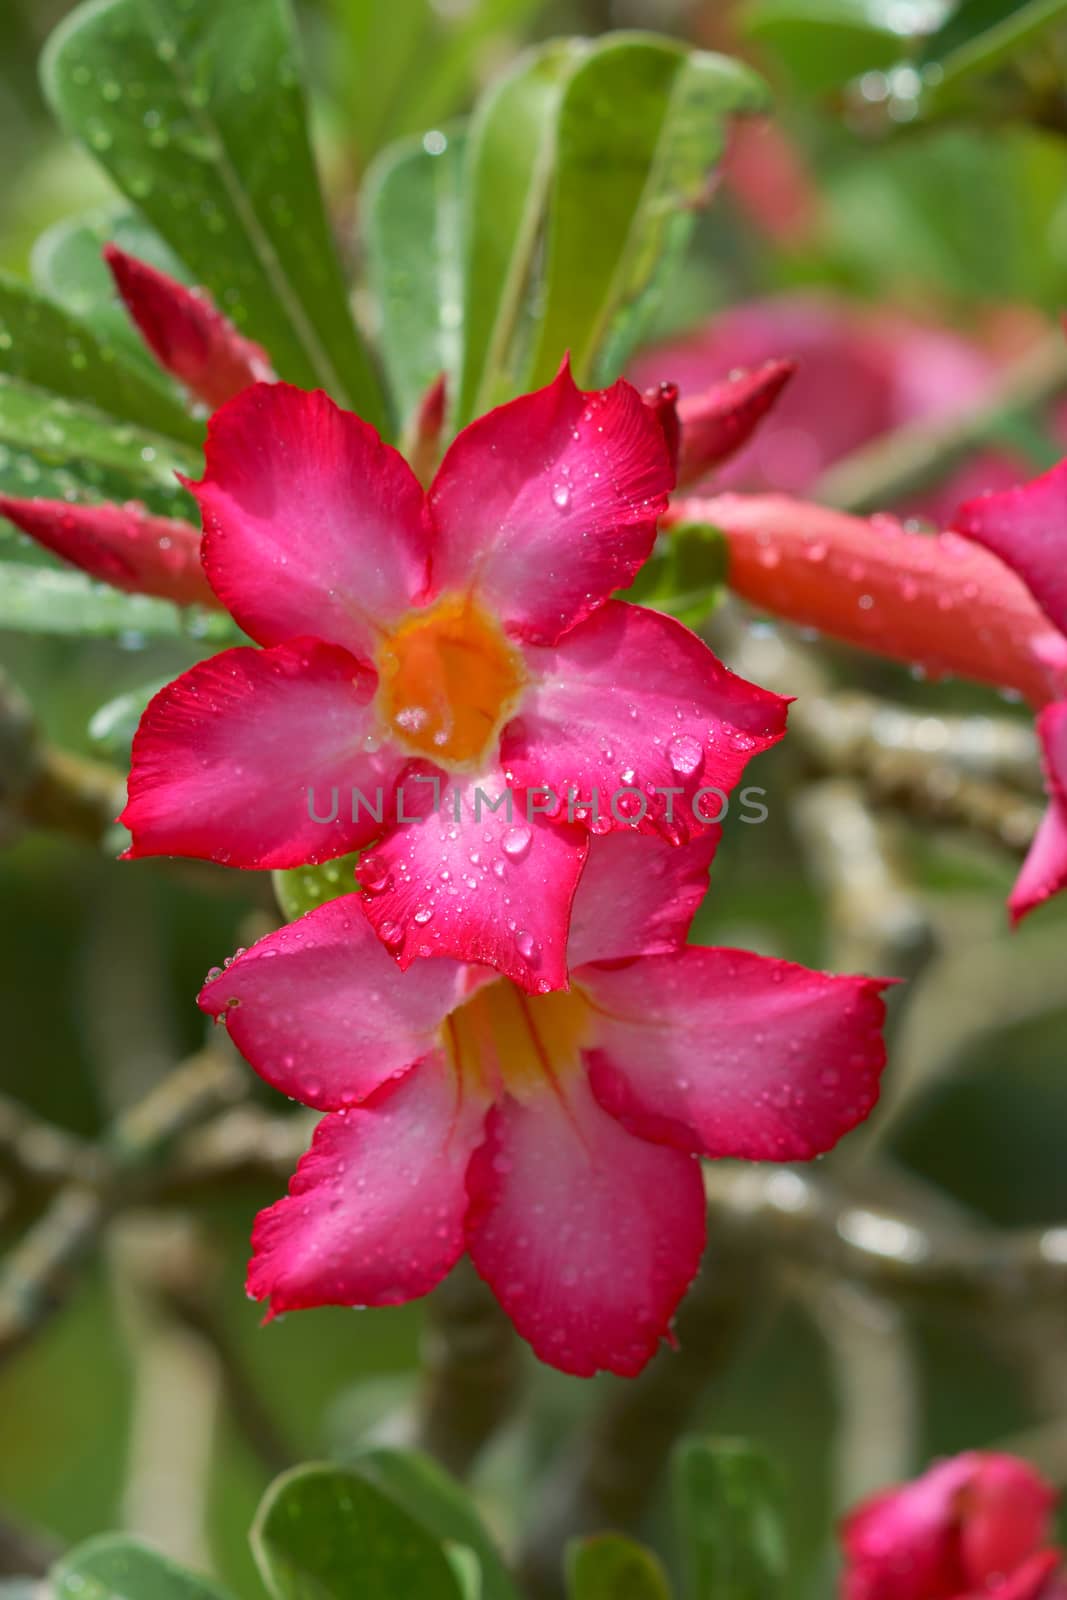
x=61, y=448
x=441, y=1505
x=68, y=265
x=322, y=1533
x=408, y=63
x=979, y=36
x=114, y=724
x=641, y=124
x=610, y=1567
x=824, y=43
x=511, y=151
x=196, y=109
x=43, y=346
x=412, y=220
x=115, y=1567
x=301, y=889
x=51, y=600
x=685, y=575
x=727, y=1504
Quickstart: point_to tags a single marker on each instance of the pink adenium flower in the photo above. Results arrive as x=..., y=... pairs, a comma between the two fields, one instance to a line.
x=860, y=373
x=553, y=1137
x=457, y=645
x=936, y=601
x=977, y=1524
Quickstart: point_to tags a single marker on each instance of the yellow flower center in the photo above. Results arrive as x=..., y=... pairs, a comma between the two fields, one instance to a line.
x=449, y=680
x=502, y=1038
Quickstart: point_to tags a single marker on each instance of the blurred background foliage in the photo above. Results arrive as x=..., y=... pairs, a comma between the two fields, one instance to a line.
x=940, y=192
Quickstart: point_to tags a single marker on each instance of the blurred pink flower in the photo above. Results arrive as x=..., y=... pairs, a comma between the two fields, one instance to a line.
x=974, y=1525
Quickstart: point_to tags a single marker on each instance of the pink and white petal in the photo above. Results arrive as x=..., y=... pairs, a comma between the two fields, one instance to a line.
x=587, y=1236
x=245, y=758
x=548, y=503
x=638, y=895
x=123, y=545
x=1027, y=528
x=718, y=421
x=323, y=1013
x=633, y=701
x=375, y=1210
x=733, y=1054
x=485, y=886
x=311, y=524
x=185, y=331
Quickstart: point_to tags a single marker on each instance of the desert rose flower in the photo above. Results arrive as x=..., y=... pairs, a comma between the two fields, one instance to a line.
x=935, y=601
x=974, y=1525
x=126, y=546
x=553, y=1137
x=449, y=656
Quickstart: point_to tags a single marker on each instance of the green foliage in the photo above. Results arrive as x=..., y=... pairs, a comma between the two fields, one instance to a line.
x=443, y=1508
x=197, y=112
x=68, y=265
x=511, y=153
x=39, y=599
x=115, y=1567
x=729, y=1520
x=412, y=218
x=407, y=65
x=610, y=1567
x=685, y=574
x=648, y=168
x=300, y=889
x=324, y=1533
x=823, y=43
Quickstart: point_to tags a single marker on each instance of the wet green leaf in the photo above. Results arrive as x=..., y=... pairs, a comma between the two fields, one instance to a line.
x=821, y=44
x=50, y=600
x=196, y=109
x=301, y=889
x=510, y=157
x=44, y=346
x=322, y=1533
x=115, y=1567
x=442, y=1506
x=68, y=265
x=60, y=448
x=626, y=185
x=412, y=220
x=728, y=1508
x=685, y=574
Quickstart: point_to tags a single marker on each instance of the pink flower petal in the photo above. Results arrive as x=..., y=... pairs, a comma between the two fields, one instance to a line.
x=934, y=601
x=374, y=1214
x=631, y=700
x=718, y=421
x=969, y=1525
x=638, y=895
x=321, y=1011
x=311, y=524
x=493, y=887
x=1044, y=872
x=1027, y=529
x=235, y=760
x=122, y=545
x=549, y=503
x=588, y=1237
x=186, y=333
x=732, y=1054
